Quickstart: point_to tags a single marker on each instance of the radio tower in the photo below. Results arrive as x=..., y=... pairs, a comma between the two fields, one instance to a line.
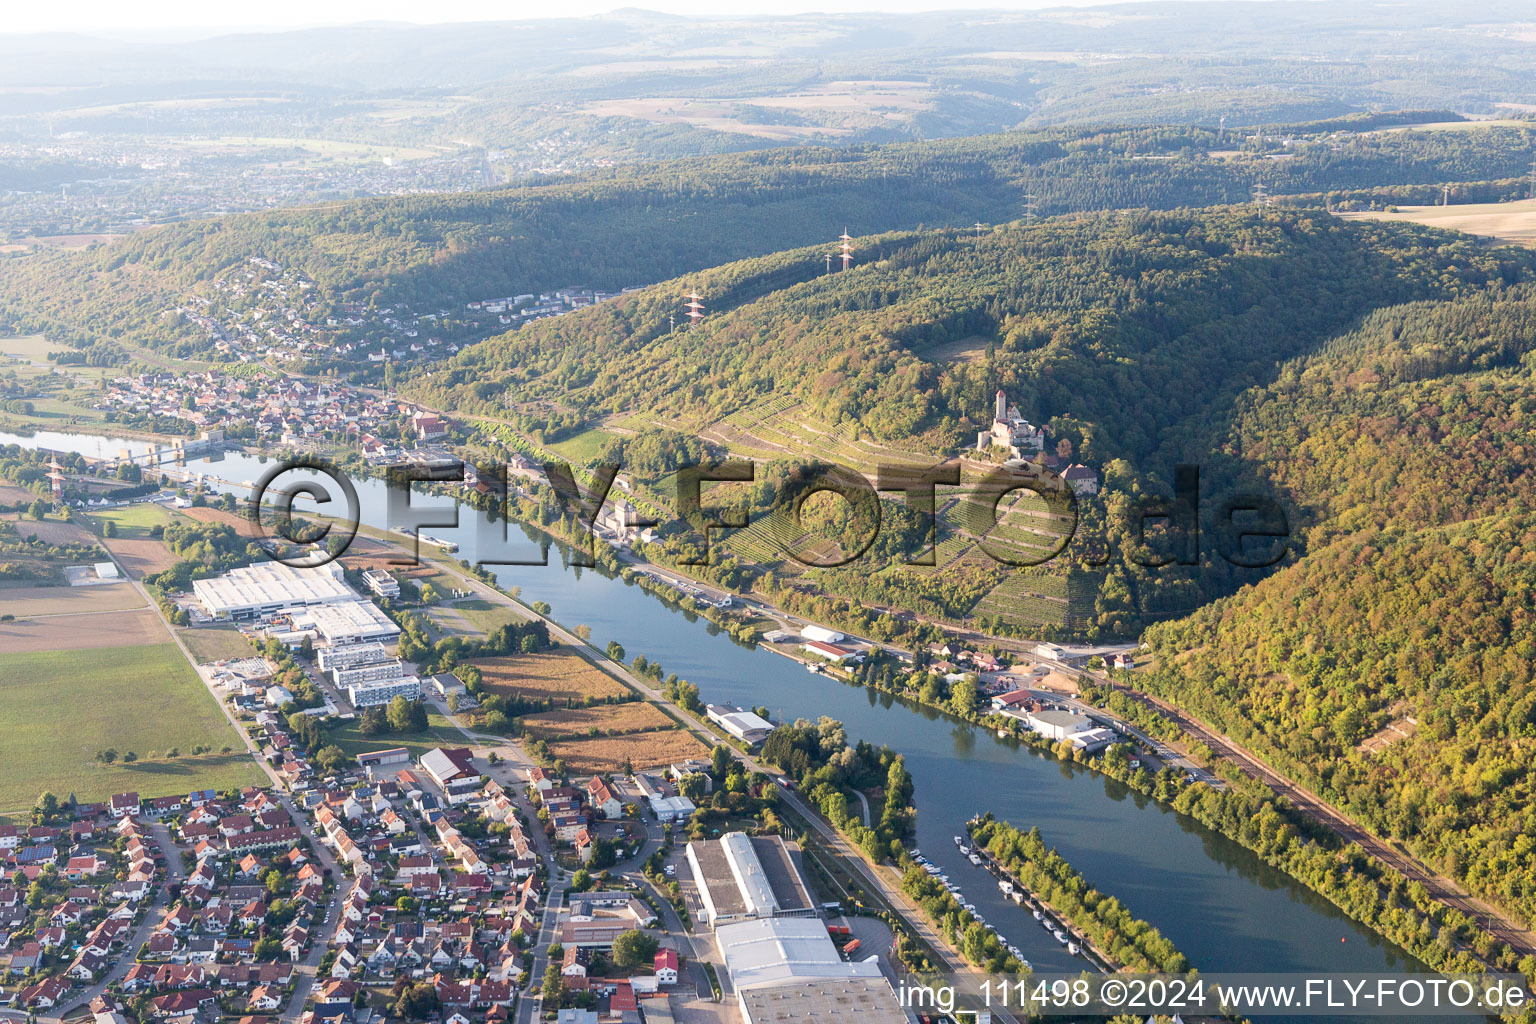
x=695, y=309
x=847, y=248
x=56, y=476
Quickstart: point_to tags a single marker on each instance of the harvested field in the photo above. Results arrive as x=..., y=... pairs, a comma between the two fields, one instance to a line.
x=243, y=526
x=557, y=675
x=141, y=557
x=611, y=719
x=641, y=749
x=27, y=602
x=83, y=632
x=10, y=494
x=54, y=531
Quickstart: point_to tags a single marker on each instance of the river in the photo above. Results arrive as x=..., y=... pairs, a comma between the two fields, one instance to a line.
x=1218, y=903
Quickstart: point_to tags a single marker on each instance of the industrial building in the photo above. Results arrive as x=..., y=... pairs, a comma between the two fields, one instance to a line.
x=746, y=726
x=741, y=877
x=345, y=622
x=265, y=588
x=786, y=970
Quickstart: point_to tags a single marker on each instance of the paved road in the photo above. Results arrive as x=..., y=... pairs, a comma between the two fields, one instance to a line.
x=320, y=933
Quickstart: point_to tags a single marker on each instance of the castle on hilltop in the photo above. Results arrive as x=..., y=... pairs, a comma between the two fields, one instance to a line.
x=1011, y=431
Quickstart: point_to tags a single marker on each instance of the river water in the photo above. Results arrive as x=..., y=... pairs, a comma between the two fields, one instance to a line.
x=1218, y=903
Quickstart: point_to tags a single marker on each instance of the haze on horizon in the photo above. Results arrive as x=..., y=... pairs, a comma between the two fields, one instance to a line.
x=191, y=19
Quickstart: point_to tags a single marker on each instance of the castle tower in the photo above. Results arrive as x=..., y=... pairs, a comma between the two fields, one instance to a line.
x=1001, y=414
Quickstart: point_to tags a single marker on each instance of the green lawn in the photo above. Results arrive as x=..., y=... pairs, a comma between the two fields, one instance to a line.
x=440, y=733
x=59, y=708
x=136, y=520
x=216, y=643
x=486, y=616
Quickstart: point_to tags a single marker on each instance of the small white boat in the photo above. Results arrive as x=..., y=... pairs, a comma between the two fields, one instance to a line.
x=1005, y=887
x=1039, y=916
x=975, y=860
x=1072, y=948
x=965, y=849
x=945, y=879
x=1061, y=936
x=931, y=870
x=1018, y=897
x=959, y=841
x=971, y=907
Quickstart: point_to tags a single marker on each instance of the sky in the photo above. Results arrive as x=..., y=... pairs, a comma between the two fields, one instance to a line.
x=156, y=17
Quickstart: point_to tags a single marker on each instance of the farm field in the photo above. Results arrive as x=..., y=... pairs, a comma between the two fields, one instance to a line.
x=215, y=643
x=557, y=675
x=641, y=749
x=29, y=602
x=635, y=716
x=54, y=531
x=584, y=447
x=59, y=708
x=139, y=553
x=83, y=632
x=1509, y=222
x=242, y=526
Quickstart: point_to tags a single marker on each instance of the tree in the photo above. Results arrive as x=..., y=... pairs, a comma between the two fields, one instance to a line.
x=552, y=986
x=417, y=1002
x=720, y=761
x=615, y=650
x=38, y=509
x=399, y=714
x=106, y=756
x=429, y=594
x=109, y=529
x=406, y=904
x=47, y=807
x=691, y=786
x=268, y=948
x=633, y=948
x=331, y=759
x=962, y=696
x=583, y=633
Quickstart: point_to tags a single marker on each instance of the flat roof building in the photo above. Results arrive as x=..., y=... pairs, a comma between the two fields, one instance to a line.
x=746, y=726
x=823, y=1001
x=382, y=691
x=346, y=622
x=265, y=588
x=741, y=877
x=332, y=658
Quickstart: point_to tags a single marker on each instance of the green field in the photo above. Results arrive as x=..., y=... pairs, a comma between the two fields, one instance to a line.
x=440, y=733
x=583, y=448
x=484, y=615
x=216, y=643
x=135, y=521
x=59, y=708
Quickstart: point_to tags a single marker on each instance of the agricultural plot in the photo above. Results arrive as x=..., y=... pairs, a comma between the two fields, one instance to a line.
x=140, y=554
x=83, y=632
x=640, y=750
x=60, y=708
x=215, y=643
x=242, y=526
x=30, y=602
x=1508, y=222
x=439, y=733
x=555, y=675
x=54, y=531
x=609, y=719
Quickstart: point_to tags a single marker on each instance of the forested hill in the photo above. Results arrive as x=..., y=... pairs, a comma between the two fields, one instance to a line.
x=638, y=225
x=1391, y=669
x=1134, y=337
